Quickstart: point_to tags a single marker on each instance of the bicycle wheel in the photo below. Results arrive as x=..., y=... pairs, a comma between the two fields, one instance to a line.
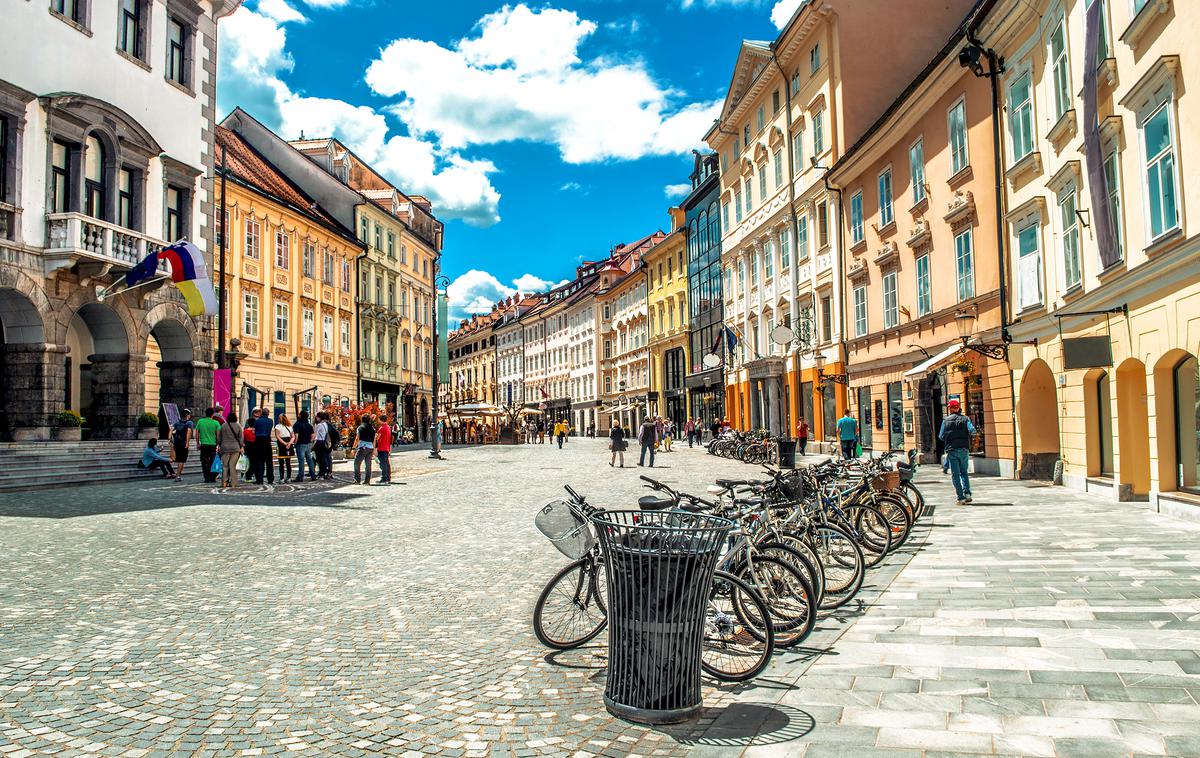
x=871, y=531
x=899, y=519
x=916, y=497
x=789, y=598
x=842, y=562
x=794, y=551
x=738, y=641
x=570, y=610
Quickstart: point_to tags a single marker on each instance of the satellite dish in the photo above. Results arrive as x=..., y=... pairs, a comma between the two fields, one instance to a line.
x=711, y=360
x=782, y=335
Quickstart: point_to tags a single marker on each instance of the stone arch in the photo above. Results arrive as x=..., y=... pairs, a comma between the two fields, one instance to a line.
x=101, y=374
x=1097, y=415
x=1133, y=428
x=28, y=368
x=1172, y=447
x=1038, y=415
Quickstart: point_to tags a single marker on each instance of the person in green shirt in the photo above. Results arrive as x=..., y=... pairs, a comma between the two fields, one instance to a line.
x=848, y=435
x=206, y=436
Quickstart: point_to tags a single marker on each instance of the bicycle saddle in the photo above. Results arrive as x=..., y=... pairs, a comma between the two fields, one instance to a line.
x=655, y=503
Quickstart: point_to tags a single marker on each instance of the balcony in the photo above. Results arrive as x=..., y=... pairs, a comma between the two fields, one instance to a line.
x=76, y=238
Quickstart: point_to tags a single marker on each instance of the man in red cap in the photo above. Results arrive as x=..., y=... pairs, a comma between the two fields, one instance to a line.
x=956, y=433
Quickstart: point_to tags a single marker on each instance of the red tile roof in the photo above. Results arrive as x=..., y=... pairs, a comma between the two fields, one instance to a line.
x=246, y=164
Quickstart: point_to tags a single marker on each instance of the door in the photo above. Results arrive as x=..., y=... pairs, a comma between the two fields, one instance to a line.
x=895, y=416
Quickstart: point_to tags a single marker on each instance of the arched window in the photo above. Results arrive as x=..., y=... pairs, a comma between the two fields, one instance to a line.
x=702, y=245
x=694, y=239
x=714, y=229
x=94, y=178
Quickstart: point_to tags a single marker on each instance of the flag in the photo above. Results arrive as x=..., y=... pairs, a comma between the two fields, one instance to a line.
x=717, y=340
x=543, y=391
x=190, y=275
x=143, y=271
x=731, y=340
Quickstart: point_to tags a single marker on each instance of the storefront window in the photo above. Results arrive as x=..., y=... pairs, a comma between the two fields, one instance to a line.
x=829, y=411
x=1187, y=424
x=895, y=416
x=864, y=416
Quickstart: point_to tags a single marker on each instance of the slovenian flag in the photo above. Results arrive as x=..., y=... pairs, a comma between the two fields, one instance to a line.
x=188, y=272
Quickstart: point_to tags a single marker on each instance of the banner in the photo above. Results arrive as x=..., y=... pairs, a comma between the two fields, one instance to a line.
x=223, y=388
x=443, y=346
x=1097, y=183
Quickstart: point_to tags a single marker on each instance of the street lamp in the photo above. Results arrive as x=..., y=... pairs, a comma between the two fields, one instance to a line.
x=965, y=322
x=435, y=443
x=819, y=359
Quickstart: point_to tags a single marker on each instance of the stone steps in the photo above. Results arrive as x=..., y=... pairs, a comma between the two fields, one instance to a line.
x=44, y=465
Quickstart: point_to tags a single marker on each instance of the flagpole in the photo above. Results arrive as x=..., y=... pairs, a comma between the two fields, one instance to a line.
x=102, y=294
x=221, y=274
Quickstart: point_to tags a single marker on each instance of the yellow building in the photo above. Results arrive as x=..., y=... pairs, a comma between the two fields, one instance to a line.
x=667, y=308
x=1124, y=423
x=289, y=279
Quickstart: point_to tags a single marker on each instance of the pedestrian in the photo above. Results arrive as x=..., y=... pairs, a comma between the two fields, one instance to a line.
x=249, y=448
x=302, y=446
x=383, y=451
x=181, y=440
x=956, y=433
x=152, y=459
x=560, y=432
x=219, y=413
x=285, y=440
x=230, y=446
x=647, y=439
x=690, y=429
x=323, y=445
x=263, y=429
x=617, y=443
x=714, y=430
x=848, y=435
x=668, y=435
x=659, y=427
x=801, y=435
x=541, y=430
x=364, y=448
x=206, y=438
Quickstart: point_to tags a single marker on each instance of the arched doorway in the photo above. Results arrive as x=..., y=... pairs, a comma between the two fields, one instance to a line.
x=1038, y=415
x=1097, y=413
x=1186, y=378
x=1133, y=428
x=172, y=367
x=25, y=401
x=96, y=371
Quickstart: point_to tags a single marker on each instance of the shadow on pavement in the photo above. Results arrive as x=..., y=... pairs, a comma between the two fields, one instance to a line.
x=748, y=723
x=152, y=495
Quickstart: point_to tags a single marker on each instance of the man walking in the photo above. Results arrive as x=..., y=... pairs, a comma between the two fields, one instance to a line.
x=956, y=433
x=304, y=442
x=383, y=451
x=181, y=440
x=848, y=435
x=323, y=445
x=263, y=426
x=647, y=438
x=206, y=437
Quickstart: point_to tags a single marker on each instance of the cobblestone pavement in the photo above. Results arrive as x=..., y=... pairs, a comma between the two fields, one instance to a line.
x=156, y=619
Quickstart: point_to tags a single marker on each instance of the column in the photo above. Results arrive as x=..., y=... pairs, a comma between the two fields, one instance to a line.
x=34, y=386
x=112, y=417
x=773, y=405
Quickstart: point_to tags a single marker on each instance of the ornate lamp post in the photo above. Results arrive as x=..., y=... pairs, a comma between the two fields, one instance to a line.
x=435, y=442
x=965, y=321
x=819, y=360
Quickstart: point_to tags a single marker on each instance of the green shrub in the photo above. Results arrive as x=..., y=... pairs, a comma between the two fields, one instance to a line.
x=147, y=420
x=68, y=418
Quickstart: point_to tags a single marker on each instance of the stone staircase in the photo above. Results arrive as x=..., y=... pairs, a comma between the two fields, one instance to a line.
x=43, y=465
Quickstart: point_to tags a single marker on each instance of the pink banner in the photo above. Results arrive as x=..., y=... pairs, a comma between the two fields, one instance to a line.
x=223, y=388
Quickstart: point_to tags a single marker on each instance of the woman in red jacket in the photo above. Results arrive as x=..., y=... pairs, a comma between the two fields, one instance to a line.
x=383, y=448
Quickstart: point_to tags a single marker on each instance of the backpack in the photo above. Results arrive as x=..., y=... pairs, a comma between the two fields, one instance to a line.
x=334, y=439
x=248, y=434
x=179, y=434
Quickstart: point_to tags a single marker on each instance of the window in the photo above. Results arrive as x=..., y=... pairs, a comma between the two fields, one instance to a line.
x=125, y=190
x=309, y=261
x=746, y=135
x=785, y=251
x=379, y=346
x=860, y=311
x=1059, y=66
x=891, y=313
x=176, y=213
x=814, y=59
x=761, y=120
x=130, y=28
x=802, y=238
x=749, y=196
x=957, y=120
x=856, y=218
x=818, y=120
x=378, y=238
x=391, y=245
x=798, y=144
x=822, y=225
x=327, y=268
x=924, y=293
x=964, y=265
x=1112, y=181
x=1104, y=48
x=252, y=237
x=345, y=336
x=392, y=295
x=364, y=229
x=95, y=179
x=379, y=290
x=769, y=258
x=775, y=102
x=283, y=249
x=345, y=275
x=796, y=82
x=916, y=169
x=886, y=214
x=1158, y=140
x=778, y=168
x=1187, y=424
x=1020, y=116
x=1067, y=204
x=737, y=206
x=1029, y=267
x=327, y=333
x=725, y=214
x=177, y=44
x=827, y=319
x=742, y=276
x=762, y=183
x=250, y=314
x=308, y=327
x=72, y=9
x=60, y=178
x=281, y=322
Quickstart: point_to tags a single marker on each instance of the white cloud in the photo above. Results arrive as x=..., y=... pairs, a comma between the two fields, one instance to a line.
x=279, y=10
x=677, y=190
x=782, y=11
x=521, y=78
x=327, y=3
x=530, y=283
x=570, y=187
x=253, y=60
x=715, y=3
x=477, y=291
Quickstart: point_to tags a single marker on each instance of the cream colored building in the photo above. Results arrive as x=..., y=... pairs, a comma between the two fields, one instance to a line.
x=1127, y=426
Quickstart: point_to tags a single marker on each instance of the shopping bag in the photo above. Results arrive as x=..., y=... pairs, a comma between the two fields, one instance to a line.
x=243, y=464
x=858, y=450
x=216, y=465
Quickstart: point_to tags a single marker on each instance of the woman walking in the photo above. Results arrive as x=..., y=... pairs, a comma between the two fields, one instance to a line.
x=802, y=435
x=230, y=446
x=365, y=448
x=285, y=439
x=616, y=443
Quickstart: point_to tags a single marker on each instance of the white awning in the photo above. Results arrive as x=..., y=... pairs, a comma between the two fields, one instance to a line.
x=929, y=364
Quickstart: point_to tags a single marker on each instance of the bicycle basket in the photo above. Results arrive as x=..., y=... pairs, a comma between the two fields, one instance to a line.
x=565, y=528
x=887, y=480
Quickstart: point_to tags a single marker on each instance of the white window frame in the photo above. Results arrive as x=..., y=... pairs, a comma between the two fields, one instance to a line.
x=887, y=207
x=308, y=327
x=857, y=231
x=1059, y=68
x=327, y=332
x=1027, y=300
x=1067, y=204
x=1115, y=199
x=1161, y=104
x=818, y=119
x=283, y=249
x=955, y=166
x=1017, y=149
x=860, y=310
x=802, y=238
x=916, y=169
x=282, y=322
x=924, y=286
x=891, y=302
x=964, y=280
x=250, y=314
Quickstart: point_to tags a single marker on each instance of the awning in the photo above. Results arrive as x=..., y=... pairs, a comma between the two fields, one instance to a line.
x=476, y=409
x=929, y=364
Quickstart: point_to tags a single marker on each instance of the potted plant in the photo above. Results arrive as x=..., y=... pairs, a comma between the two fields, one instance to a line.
x=147, y=425
x=67, y=426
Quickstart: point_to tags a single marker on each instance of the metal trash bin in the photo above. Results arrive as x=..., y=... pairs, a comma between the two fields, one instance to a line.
x=787, y=453
x=659, y=568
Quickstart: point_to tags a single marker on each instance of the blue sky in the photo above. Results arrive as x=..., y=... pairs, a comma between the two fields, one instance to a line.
x=543, y=133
